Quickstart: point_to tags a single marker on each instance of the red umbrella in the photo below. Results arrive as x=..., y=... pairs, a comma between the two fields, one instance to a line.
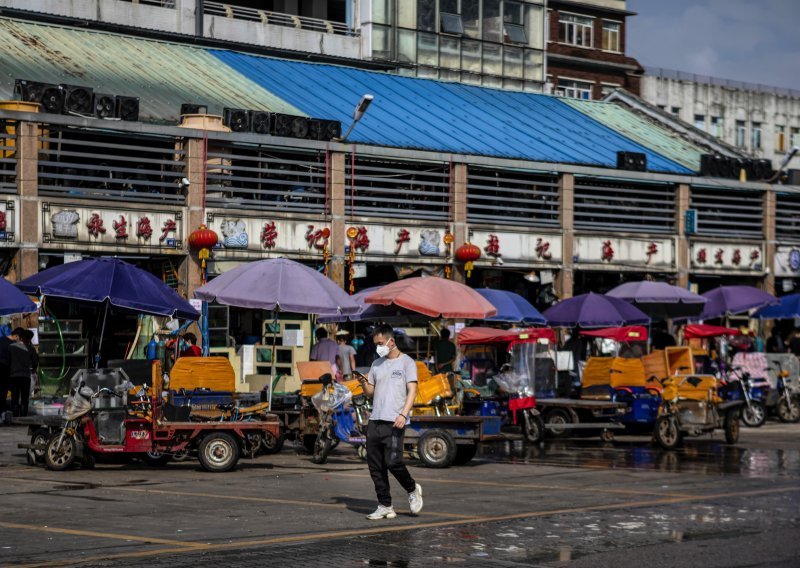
x=488, y=335
x=434, y=297
x=621, y=334
x=703, y=330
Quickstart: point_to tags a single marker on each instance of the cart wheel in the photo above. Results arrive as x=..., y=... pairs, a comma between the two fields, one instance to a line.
x=309, y=440
x=156, y=459
x=607, y=435
x=465, y=453
x=788, y=412
x=60, y=456
x=322, y=446
x=555, y=418
x=270, y=443
x=362, y=452
x=755, y=415
x=437, y=448
x=667, y=433
x=39, y=440
x=534, y=428
x=218, y=452
x=732, y=426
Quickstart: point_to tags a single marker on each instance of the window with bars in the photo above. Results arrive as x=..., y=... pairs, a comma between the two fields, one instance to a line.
x=510, y=197
x=397, y=189
x=727, y=212
x=787, y=217
x=608, y=204
x=266, y=178
x=115, y=166
x=8, y=156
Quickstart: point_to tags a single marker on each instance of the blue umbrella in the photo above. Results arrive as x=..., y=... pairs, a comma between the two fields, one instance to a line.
x=110, y=281
x=12, y=301
x=788, y=308
x=511, y=307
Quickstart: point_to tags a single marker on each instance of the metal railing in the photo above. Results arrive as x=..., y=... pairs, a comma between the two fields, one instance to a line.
x=398, y=190
x=614, y=205
x=727, y=212
x=96, y=164
x=787, y=217
x=728, y=83
x=504, y=197
x=266, y=178
x=276, y=18
x=8, y=157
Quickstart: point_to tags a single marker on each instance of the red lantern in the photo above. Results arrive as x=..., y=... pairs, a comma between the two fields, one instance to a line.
x=203, y=240
x=468, y=254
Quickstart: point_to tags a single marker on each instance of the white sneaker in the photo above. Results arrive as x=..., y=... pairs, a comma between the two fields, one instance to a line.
x=382, y=513
x=415, y=499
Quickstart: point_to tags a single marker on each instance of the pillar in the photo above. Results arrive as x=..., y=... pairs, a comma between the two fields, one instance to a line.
x=26, y=261
x=195, y=210
x=682, y=261
x=566, y=189
x=460, y=225
x=770, y=204
x=337, y=267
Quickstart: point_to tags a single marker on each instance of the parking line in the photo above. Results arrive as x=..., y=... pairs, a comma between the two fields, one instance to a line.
x=196, y=547
x=113, y=536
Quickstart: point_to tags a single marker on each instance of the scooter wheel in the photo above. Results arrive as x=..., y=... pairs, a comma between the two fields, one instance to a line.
x=60, y=456
x=322, y=447
x=667, y=432
x=754, y=415
x=533, y=427
x=272, y=444
x=787, y=413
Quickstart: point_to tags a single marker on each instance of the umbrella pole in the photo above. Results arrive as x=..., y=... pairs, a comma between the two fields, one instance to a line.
x=100, y=344
x=273, y=380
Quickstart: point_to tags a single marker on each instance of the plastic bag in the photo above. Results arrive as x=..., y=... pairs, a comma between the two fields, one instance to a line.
x=76, y=406
x=327, y=399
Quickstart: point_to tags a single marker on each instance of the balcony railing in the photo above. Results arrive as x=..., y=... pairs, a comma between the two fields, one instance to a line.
x=276, y=19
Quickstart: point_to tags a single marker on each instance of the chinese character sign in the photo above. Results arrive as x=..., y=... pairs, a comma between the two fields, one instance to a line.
x=95, y=225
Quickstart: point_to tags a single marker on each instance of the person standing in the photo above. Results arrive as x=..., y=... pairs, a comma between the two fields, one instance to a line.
x=444, y=352
x=392, y=384
x=347, y=355
x=20, y=367
x=775, y=343
x=5, y=380
x=191, y=349
x=325, y=349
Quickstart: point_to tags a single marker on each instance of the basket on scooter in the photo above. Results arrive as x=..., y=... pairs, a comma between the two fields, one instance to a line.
x=433, y=388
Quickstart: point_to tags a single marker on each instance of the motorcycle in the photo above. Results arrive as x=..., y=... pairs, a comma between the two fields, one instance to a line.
x=344, y=415
x=741, y=386
x=788, y=404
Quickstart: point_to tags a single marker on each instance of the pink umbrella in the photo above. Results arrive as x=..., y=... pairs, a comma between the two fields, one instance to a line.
x=434, y=297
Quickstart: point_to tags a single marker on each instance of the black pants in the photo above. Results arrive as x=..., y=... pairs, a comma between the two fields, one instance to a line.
x=385, y=454
x=20, y=394
x=5, y=387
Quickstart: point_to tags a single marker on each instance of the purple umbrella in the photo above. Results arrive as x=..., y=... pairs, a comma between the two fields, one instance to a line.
x=12, y=301
x=659, y=299
x=594, y=310
x=728, y=300
x=278, y=284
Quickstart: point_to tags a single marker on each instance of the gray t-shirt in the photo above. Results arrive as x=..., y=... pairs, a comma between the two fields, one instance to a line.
x=344, y=354
x=390, y=377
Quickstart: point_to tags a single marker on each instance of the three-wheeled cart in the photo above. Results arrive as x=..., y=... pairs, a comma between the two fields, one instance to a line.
x=442, y=441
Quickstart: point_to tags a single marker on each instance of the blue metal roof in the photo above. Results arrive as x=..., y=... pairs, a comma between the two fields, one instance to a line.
x=449, y=117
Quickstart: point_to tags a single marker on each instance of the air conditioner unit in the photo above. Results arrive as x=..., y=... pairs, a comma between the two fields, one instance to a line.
x=127, y=108
x=632, y=161
x=319, y=129
x=79, y=100
x=260, y=121
x=192, y=108
x=237, y=119
x=299, y=127
x=289, y=125
x=105, y=106
x=49, y=96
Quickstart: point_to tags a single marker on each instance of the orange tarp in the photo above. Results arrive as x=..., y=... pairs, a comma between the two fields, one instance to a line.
x=213, y=373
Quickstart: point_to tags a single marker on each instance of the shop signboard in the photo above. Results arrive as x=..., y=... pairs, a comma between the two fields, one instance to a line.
x=743, y=257
x=517, y=248
x=787, y=261
x=9, y=221
x=105, y=227
x=641, y=253
x=263, y=233
x=397, y=242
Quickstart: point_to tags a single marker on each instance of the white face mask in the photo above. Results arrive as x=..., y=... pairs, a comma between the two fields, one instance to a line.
x=382, y=350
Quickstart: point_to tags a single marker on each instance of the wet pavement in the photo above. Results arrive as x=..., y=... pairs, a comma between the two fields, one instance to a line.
x=565, y=503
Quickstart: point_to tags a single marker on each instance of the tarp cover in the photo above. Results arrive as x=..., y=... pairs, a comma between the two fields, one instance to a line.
x=485, y=335
x=622, y=334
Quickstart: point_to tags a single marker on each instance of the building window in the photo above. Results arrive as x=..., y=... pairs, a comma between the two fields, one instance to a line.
x=662, y=107
x=608, y=88
x=450, y=52
x=575, y=30
x=676, y=111
x=780, y=138
x=492, y=21
x=575, y=89
x=471, y=17
x=513, y=33
x=426, y=15
x=471, y=56
x=512, y=62
x=716, y=126
x=741, y=134
x=795, y=136
x=700, y=121
x=451, y=24
x=611, y=35
x=755, y=136
x=514, y=24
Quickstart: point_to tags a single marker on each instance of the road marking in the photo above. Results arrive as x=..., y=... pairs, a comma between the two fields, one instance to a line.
x=204, y=547
x=114, y=536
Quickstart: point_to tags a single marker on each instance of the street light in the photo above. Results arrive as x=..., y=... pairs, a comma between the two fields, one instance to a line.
x=361, y=108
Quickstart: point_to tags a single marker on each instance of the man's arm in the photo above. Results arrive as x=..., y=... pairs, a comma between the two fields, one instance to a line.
x=411, y=393
x=369, y=389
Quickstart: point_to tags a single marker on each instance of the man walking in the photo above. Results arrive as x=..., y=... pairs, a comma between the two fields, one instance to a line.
x=392, y=384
